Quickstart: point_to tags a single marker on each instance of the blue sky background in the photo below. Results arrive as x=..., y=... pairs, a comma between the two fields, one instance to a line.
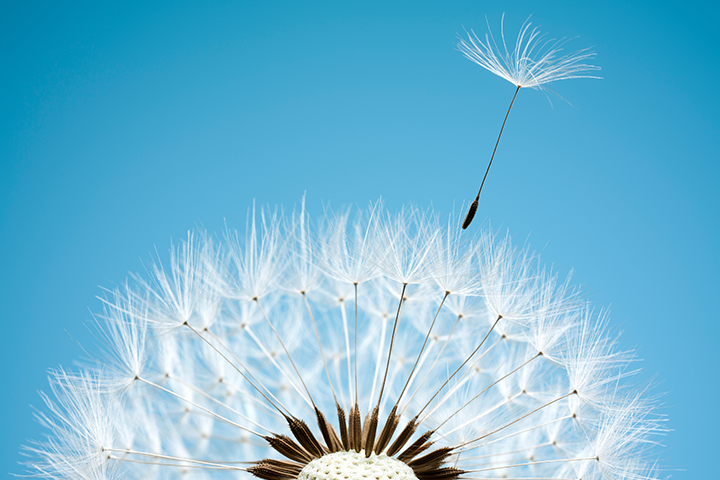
x=124, y=125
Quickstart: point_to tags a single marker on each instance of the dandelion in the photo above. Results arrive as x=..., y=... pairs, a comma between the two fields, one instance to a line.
x=535, y=61
x=365, y=345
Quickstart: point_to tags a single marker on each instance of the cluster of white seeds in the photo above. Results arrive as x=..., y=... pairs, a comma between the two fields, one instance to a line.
x=502, y=360
x=355, y=466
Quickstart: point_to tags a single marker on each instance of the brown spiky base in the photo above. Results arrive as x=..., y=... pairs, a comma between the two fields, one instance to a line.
x=357, y=436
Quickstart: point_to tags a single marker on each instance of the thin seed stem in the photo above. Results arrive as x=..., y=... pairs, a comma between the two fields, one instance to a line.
x=517, y=478
x=519, y=432
x=471, y=212
x=347, y=348
x=356, y=337
x=516, y=420
x=476, y=457
x=539, y=462
x=276, y=406
x=168, y=457
x=457, y=459
x=218, y=416
x=257, y=301
x=479, y=394
x=322, y=354
x=422, y=349
x=481, y=415
x=179, y=465
x=467, y=376
x=461, y=366
x=275, y=363
x=432, y=367
x=213, y=399
x=246, y=396
x=413, y=377
x=378, y=362
x=392, y=342
x=253, y=377
x=245, y=441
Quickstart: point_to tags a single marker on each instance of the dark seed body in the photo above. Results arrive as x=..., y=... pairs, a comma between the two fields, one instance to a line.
x=471, y=214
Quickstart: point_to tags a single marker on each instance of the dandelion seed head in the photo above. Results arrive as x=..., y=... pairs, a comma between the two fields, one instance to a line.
x=238, y=359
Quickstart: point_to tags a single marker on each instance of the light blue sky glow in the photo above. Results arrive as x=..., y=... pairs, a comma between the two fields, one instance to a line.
x=125, y=125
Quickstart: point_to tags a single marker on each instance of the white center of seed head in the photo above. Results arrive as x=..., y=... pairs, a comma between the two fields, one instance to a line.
x=354, y=466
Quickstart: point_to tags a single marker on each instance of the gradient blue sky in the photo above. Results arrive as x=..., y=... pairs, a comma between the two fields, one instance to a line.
x=124, y=125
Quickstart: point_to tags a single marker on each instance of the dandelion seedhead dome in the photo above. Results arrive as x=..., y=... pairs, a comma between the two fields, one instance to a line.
x=361, y=345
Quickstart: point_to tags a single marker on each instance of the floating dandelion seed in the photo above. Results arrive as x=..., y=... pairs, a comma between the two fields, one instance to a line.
x=370, y=346
x=534, y=62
